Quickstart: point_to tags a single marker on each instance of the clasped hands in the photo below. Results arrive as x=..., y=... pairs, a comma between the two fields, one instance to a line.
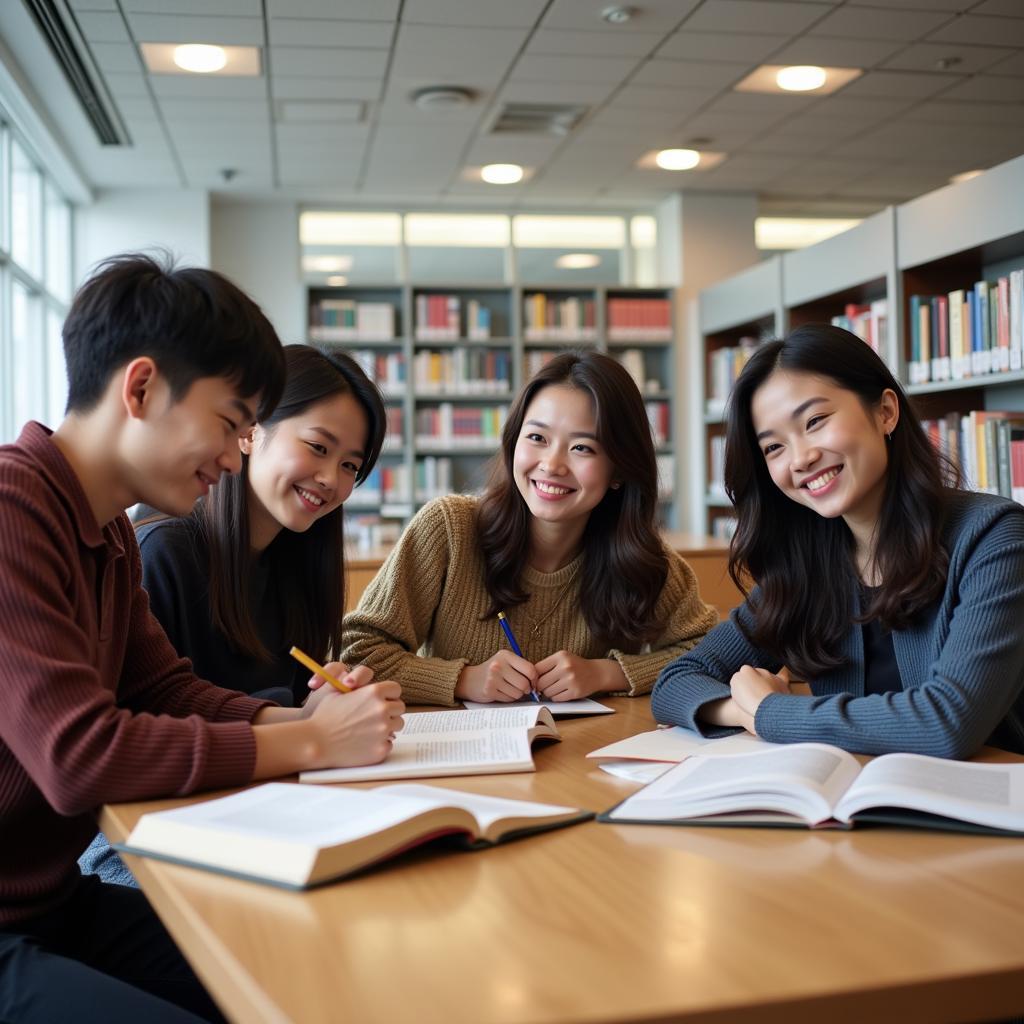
x=560, y=676
x=749, y=687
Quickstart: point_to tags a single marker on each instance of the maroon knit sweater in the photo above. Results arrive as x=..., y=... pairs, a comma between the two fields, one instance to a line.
x=96, y=705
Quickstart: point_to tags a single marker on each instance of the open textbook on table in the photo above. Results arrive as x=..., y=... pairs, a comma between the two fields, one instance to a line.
x=818, y=786
x=299, y=836
x=436, y=743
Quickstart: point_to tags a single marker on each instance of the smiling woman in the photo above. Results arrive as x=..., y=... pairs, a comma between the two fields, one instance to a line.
x=563, y=542
x=894, y=594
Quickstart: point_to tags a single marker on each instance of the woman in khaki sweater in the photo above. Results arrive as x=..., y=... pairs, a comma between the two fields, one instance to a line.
x=563, y=541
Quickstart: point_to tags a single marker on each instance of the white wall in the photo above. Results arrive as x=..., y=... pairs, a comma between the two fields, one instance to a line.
x=256, y=244
x=128, y=219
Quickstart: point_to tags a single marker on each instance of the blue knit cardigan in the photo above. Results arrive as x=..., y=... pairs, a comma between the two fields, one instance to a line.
x=961, y=662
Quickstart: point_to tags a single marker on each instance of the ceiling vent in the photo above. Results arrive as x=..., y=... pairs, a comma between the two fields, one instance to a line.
x=71, y=52
x=443, y=97
x=536, y=119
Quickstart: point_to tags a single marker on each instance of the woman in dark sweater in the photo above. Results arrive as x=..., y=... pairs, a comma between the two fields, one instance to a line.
x=895, y=595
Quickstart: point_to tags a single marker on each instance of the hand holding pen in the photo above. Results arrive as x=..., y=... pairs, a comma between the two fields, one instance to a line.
x=506, y=676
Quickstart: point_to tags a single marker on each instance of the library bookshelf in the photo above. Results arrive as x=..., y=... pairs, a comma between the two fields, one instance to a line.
x=449, y=359
x=962, y=245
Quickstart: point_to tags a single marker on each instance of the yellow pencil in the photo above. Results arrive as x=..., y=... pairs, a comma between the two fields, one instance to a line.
x=305, y=659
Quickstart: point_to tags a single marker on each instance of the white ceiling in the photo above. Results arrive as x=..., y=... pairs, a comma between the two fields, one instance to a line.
x=331, y=117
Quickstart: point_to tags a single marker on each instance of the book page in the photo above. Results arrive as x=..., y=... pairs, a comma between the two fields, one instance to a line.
x=677, y=743
x=803, y=780
x=987, y=794
x=487, y=717
x=487, y=810
x=290, y=813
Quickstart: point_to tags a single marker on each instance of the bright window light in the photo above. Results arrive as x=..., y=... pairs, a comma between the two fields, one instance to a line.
x=797, y=232
x=677, y=159
x=200, y=58
x=537, y=231
x=963, y=176
x=481, y=231
x=643, y=232
x=319, y=227
x=326, y=264
x=501, y=174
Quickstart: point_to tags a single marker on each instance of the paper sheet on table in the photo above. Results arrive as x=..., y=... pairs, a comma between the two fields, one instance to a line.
x=676, y=744
x=635, y=771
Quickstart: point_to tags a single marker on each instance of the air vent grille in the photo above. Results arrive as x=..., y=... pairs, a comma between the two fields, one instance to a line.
x=536, y=119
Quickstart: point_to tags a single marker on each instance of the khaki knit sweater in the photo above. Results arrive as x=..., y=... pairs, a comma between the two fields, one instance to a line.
x=421, y=622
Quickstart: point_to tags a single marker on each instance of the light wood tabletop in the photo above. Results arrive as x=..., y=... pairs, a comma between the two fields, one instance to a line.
x=616, y=923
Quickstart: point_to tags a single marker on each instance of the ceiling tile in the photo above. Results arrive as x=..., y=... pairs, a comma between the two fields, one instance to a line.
x=232, y=8
x=100, y=27
x=677, y=102
x=498, y=149
x=128, y=84
x=353, y=10
x=687, y=45
x=590, y=94
x=214, y=110
x=880, y=23
x=750, y=15
x=1002, y=89
x=173, y=28
x=860, y=107
x=321, y=32
x=833, y=51
x=950, y=6
x=1005, y=8
x=592, y=44
x=951, y=112
x=329, y=62
x=287, y=87
x=928, y=57
x=343, y=137
x=898, y=84
x=117, y=57
x=201, y=87
x=824, y=127
x=652, y=16
x=690, y=73
x=426, y=51
x=798, y=145
x=538, y=68
x=987, y=31
x=1011, y=66
x=93, y=5
x=484, y=13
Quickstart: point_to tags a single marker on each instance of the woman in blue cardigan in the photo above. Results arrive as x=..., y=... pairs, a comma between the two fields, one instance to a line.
x=898, y=597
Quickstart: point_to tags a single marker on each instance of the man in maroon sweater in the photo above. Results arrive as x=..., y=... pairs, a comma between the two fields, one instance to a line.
x=166, y=370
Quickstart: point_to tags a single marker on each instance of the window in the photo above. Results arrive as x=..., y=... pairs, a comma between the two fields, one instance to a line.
x=35, y=288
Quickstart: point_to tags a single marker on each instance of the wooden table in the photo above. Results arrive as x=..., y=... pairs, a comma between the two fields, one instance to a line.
x=616, y=923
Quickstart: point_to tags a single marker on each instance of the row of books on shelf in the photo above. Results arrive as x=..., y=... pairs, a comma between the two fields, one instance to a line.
x=724, y=366
x=638, y=319
x=659, y=416
x=385, y=485
x=385, y=369
x=440, y=318
x=968, y=332
x=449, y=426
x=573, y=318
x=988, y=447
x=635, y=362
x=395, y=432
x=463, y=371
x=723, y=527
x=869, y=322
x=351, y=320
x=367, y=533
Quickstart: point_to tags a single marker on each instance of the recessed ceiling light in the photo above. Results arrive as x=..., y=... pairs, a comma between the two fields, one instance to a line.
x=964, y=176
x=578, y=261
x=677, y=159
x=327, y=264
x=337, y=280
x=801, y=78
x=501, y=174
x=200, y=58
x=782, y=79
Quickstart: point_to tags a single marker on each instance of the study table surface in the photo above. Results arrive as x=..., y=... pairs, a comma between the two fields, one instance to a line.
x=615, y=923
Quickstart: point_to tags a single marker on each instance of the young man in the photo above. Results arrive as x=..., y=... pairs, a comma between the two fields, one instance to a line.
x=166, y=369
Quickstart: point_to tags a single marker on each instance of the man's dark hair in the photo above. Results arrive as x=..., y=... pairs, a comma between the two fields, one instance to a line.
x=191, y=322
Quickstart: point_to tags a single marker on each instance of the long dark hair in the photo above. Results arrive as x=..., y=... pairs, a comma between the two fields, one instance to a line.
x=624, y=565
x=307, y=569
x=783, y=545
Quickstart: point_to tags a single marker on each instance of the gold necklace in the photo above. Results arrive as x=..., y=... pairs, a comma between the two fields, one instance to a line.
x=537, y=623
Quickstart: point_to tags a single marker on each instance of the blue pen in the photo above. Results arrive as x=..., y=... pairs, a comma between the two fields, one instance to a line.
x=503, y=622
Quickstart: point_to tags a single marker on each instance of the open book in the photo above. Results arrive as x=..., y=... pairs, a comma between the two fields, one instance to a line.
x=436, y=743
x=558, y=708
x=297, y=836
x=818, y=786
